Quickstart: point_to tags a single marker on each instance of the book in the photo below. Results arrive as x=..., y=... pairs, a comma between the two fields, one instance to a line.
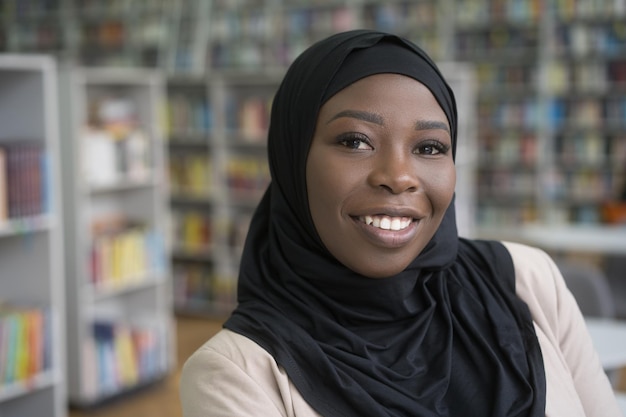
x=24, y=342
x=4, y=197
x=23, y=179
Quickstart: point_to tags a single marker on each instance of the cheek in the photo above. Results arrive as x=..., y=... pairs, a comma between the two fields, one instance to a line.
x=442, y=184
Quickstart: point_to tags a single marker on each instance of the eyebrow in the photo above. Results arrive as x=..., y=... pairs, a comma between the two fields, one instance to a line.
x=431, y=124
x=378, y=119
x=359, y=114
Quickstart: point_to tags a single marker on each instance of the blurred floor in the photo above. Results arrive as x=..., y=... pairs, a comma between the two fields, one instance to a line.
x=160, y=400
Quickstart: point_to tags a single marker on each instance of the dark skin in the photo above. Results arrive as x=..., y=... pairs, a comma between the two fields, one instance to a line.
x=380, y=173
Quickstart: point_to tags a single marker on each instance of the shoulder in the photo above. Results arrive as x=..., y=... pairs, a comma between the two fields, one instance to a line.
x=214, y=377
x=232, y=354
x=537, y=278
x=230, y=346
x=539, y=283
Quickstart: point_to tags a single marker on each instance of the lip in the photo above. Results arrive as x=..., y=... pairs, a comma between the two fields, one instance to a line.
x=389, y=238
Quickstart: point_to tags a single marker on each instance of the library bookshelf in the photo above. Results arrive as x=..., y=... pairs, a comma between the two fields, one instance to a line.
x=32, y=311
x=218, y=173
x=551, y=82
x=119, y=303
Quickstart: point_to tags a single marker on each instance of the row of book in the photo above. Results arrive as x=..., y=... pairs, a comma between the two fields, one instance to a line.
x=109, y=160
x=249, y=117
x=579, y=185
x=596, y=112
x=591, y=148
x=116, y=145
x=559, y=112
x=25, y=342
x=400, y=15
x=583, y=76
x=124, y=252
x=512, y=148
x=198, y=285
x=505, y=184
x=485, y=11
x=572, y=9
x=519, y=43
x=37, y=8
x=190, y=174
x=16, y=8
x=586, y=38
x=563, y=77
x=119, y=356
x=503, y=77
x=264, y=22
x=192, y=284
x=192, y=231
x=189, y=113
x=516, y=213
x=23, y=180
x=586, y=185
x=509, y=112
x=471, y=12
x=586, y=149
x=247, y=173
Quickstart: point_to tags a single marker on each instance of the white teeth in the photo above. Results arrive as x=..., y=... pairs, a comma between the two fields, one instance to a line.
x=386, y=222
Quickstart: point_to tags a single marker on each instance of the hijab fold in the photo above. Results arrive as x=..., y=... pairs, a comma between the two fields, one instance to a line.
x=445, y=337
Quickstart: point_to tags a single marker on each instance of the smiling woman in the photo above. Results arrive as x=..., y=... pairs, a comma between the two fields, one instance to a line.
x=380, y=173
x=356, y=295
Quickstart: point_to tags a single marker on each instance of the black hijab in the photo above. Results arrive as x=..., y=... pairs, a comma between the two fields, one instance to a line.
x=445, y=337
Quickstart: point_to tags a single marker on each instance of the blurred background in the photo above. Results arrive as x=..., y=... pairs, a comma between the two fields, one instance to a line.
x=132, y=155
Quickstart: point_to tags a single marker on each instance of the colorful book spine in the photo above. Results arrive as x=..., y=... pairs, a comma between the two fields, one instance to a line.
x=247, y=173
x=23, y=180
x=190, y=174
x=125, y=256
x=24, y=343
x=192, y=231
x=188, y=113
x=125, y=355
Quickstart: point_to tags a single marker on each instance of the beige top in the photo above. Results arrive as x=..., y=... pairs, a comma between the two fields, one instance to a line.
x=230, y=375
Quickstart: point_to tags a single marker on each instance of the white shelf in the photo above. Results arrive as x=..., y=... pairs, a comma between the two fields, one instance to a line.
x=31, y=247
x=26, y=225
x=593, y=239
x=22, y=389
x=127, y=297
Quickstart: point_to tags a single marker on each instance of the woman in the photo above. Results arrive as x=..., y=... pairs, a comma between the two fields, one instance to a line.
x=356, y=295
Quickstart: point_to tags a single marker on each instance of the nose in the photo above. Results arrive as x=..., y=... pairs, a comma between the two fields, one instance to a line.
x=395, y=172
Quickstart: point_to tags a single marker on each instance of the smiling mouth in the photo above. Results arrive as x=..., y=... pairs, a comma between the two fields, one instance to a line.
x=387, y=222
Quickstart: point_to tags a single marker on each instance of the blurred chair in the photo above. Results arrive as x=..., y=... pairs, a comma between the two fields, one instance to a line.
x=590, y=288
x=615, y=269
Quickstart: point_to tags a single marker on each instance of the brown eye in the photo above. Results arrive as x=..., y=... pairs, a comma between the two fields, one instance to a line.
x=354, y=141
x=432, y=147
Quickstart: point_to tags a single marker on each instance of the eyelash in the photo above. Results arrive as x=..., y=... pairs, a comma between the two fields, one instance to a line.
x=438, y=147
x=350, y=139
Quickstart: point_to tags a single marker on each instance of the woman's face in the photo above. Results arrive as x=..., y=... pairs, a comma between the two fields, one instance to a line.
x=380, y=173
